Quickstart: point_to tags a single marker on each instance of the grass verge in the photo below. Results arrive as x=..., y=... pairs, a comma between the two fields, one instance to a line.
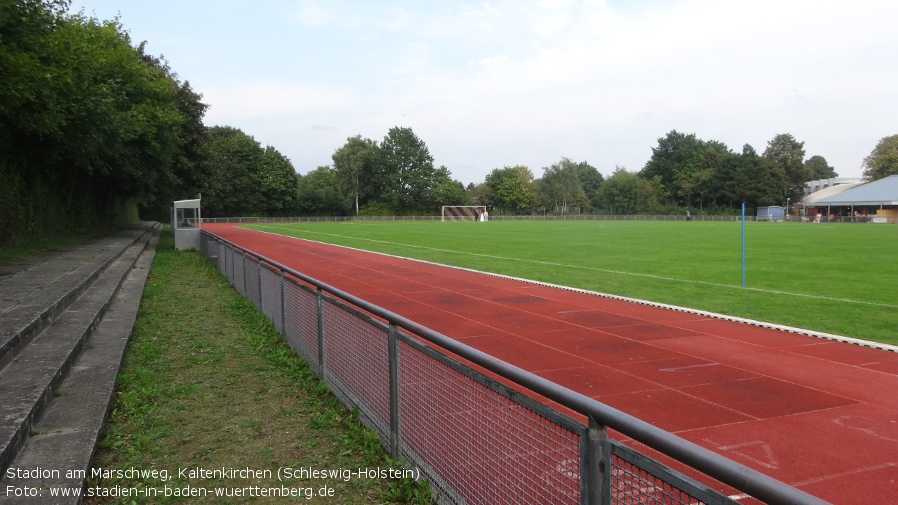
x=208, y=383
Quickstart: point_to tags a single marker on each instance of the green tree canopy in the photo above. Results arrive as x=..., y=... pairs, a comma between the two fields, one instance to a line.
x=883, y=160
x=560, y=186
x=621, y=191
x=683, y=165
x=356, y=166
x=407, y=172
x=819, y=168
x=277, y=183
x=447, y=191
x=511, y=189
x=235, y=160
x=87, y=120
x=590, y=180
x=751, y=179
x=319, y=194
x=787, y=154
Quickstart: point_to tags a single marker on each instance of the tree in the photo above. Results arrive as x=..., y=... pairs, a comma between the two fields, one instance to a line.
x=319, y=194
x=750, y=179
x=356, y=166
x=883, y=160
x=511, y=189
x=787, y=154
x=590, y=180
x=235, y=159
x=406, y=168
x=560, y=186
x=819, y=168
x=447, y=191
x=277, y=183
x=684, y=166
x=620, y=193
x=87, y=121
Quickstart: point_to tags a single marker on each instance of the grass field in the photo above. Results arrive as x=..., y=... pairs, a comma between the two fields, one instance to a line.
x=836, y=278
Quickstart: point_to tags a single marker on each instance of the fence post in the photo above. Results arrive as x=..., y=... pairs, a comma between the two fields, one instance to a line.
x=261, y=307
x=243, y=266
x=598, y=465
x=283, y=307
x=320, y=334
x=393, y=350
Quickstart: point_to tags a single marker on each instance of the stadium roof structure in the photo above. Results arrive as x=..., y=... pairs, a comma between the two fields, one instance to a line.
x=880, y=192
x=830, y=191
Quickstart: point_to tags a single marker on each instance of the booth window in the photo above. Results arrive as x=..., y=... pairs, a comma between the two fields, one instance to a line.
x=186, y=218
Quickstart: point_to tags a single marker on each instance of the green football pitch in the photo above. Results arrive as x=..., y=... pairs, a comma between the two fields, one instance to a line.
x=835, y=278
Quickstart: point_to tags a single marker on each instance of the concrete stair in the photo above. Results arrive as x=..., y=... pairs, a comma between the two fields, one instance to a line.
x=65, y=320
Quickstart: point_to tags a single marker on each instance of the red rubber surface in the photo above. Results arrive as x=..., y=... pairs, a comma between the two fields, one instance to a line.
x=816, y=414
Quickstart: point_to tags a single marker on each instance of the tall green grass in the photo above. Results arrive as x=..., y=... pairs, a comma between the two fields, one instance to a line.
x=836, y=278
x=208, y=382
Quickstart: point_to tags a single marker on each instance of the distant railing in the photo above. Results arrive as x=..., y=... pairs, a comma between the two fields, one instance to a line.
x=493, y=217
x=478, y=429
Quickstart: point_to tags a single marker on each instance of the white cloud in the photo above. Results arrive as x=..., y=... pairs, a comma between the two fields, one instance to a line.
x=486, y=84
x=274, y=99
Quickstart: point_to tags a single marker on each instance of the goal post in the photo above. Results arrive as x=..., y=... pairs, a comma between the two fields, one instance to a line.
x=464, y=213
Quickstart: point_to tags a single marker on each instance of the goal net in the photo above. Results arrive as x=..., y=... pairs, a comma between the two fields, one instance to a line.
x=464, y=213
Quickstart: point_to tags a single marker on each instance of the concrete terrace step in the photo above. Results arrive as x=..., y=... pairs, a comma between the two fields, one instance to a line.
x=36, y=290
x=55, y=393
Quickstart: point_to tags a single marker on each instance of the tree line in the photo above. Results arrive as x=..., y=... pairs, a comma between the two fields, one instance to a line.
x=683, y=173
x=91, y=126
x=95, y=131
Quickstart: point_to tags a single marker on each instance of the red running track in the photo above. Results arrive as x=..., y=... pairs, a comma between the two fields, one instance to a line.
x=818, y=414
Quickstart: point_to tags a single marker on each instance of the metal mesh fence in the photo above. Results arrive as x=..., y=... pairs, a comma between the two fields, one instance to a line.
x=301, y=320
x=239, y=267
x=478, y=444
x=477, y=440
x=637, y=479
x=357, y=362
x=270, y=292
x=251, y=271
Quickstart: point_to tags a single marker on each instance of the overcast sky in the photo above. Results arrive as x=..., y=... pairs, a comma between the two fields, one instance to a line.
x=501, y=83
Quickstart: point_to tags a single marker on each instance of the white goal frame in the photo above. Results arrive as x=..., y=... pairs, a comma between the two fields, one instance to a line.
x=464, y=213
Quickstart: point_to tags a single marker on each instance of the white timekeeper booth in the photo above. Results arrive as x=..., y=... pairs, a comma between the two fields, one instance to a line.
x=186, y=224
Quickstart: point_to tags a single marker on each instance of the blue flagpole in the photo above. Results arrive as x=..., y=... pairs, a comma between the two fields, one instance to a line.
x=743, y=244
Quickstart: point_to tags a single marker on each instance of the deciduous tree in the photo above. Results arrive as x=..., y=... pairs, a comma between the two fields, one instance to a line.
x=277, y=182
x=819, y=168
x=511, y=189
x=356, y=166
x=406, y=168
x=787, y=154
x=883, y=160
x=319, y=194
x=560, y=186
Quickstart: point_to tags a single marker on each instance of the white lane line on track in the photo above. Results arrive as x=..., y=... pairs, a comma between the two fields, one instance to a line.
x=688, y=367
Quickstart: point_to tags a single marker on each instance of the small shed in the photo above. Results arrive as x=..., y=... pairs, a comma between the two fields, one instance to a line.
x=186, y=224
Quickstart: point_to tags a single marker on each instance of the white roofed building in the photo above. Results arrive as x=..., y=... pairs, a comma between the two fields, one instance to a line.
x=875, y=201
